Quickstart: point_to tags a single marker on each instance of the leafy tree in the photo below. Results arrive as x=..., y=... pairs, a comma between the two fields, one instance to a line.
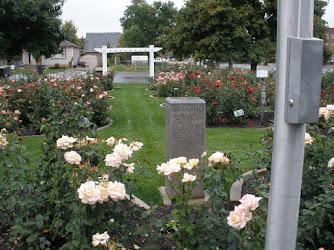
x=143, y=23
x=132, y=37
x=33, y=25
x=70, y=32
x=320, y=26
x=255, y=20
x=222, y=29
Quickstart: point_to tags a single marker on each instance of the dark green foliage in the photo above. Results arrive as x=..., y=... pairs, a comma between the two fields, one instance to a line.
x=143, y=23
x=33, y=25
x=316, y=215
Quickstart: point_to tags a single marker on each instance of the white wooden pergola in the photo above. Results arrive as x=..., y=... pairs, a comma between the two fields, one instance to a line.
x=104, y=50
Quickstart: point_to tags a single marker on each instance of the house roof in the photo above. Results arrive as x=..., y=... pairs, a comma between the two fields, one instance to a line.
x=96, y=40
x=66, y=43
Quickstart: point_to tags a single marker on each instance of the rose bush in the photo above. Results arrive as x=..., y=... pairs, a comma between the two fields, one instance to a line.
x=24, y=103
x=224, y=91
x=315, y=229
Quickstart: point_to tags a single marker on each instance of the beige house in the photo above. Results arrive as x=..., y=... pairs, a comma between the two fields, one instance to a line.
x=71, y=52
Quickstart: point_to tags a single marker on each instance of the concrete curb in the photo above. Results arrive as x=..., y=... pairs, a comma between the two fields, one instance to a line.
x=236, y=188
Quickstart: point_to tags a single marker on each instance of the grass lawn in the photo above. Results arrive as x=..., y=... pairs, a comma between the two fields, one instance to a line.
x=138, y=117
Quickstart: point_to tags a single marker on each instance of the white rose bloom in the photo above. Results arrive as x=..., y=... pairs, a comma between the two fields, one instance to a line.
x=161, y=169
x=111, y=141
x=104, y=196
x=88, y=193
x=180, y=160
x=308, y=139
x=172, y=168
x=193, y=163
x=102, y=239
x=129, y=167
x=217, y=158
x=322, y=111
x=188, y=178
x=113, y=160
x=72, y=157
x=250, y=201
x=123, y=150
x=116, y=190
x=331, y=163
x=3, y=141
x=136, y=145
x=65, y=142
x=330, y=107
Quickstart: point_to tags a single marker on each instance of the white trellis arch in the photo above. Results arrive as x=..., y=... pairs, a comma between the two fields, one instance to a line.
x=104, y=50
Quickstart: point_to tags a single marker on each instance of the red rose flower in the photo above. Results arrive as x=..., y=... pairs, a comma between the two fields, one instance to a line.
x=215, y=103
x=185, y=95
x=254, y=100
x=251, y=125
x=192, y=76
x=233, y=84
x=196, y=73
x=254, y=89
x=232, y=78
x=241, y=79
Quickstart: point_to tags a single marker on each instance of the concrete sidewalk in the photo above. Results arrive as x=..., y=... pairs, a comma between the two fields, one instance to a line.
x=131, y=77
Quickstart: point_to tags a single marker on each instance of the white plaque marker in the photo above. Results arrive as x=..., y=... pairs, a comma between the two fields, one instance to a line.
x=239, y=112
x=262, y=73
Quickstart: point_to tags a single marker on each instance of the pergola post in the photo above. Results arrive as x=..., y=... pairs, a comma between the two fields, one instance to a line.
x=151, y=55
x=104, y=60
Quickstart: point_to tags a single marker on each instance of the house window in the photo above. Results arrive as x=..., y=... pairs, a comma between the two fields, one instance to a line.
x=61, y=55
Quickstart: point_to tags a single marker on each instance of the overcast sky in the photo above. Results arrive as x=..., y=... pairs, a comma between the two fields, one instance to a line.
x=103, y=15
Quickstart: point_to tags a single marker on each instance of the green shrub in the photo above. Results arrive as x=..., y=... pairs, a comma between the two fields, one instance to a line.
x=316, y=216
x=33, y=98
x=223, y=91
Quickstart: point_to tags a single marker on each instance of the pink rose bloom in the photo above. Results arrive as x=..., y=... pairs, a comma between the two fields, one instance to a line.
x=250, y=201
x=239, y=217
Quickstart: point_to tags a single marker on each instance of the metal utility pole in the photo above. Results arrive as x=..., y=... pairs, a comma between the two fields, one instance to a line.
x=295, y=20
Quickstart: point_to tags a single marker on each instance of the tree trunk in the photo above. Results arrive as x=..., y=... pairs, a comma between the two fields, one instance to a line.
x=253, y=66
x=230, y=63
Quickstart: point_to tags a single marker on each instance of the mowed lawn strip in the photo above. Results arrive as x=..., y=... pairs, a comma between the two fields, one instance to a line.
x=138, y=117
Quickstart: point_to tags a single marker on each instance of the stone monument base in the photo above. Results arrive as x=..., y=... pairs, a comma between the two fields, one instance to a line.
x=167, y=200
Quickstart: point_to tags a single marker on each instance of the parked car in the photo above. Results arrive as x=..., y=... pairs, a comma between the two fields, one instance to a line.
x=158, y=60
x=80, y=64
